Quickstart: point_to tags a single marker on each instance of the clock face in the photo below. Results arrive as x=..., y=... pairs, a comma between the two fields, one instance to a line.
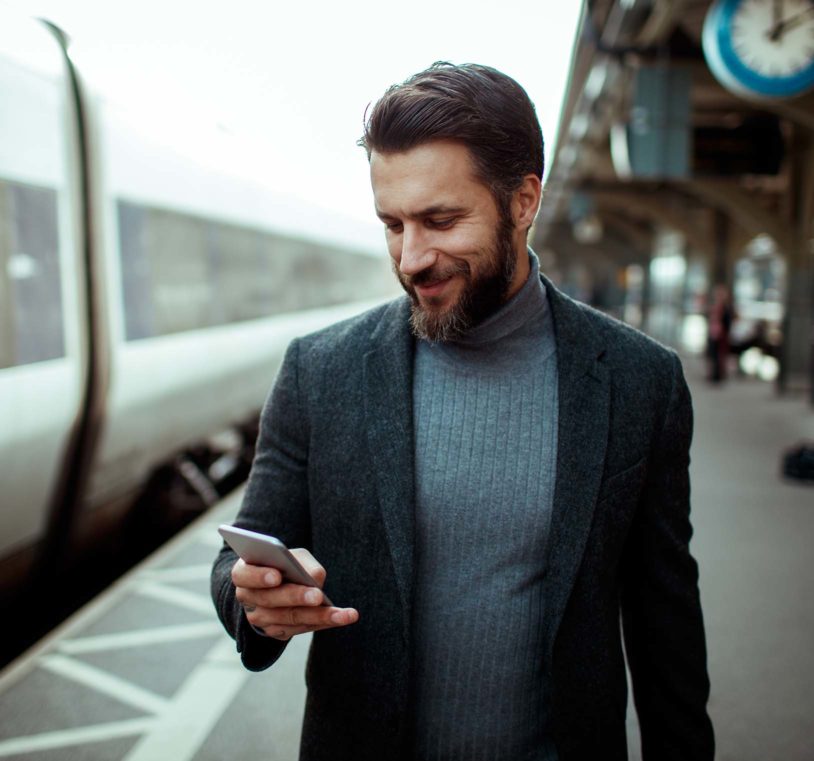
x=762, y=48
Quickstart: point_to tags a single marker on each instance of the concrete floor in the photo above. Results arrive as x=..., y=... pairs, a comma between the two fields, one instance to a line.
x=754, y=541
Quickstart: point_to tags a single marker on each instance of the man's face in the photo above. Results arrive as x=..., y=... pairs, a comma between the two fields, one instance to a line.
x=452, y=251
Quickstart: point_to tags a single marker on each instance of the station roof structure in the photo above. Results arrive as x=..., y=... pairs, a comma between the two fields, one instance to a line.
x=650, y=141
x=649, y=138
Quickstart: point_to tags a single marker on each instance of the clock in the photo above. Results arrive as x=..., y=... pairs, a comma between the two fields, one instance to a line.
x=761, y=48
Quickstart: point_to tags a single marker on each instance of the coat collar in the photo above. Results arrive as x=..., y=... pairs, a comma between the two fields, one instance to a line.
x=388, y=394
x=582, y=430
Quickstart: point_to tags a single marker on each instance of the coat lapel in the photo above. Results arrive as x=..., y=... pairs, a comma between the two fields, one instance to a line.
x=388, y=394
x=583, y=420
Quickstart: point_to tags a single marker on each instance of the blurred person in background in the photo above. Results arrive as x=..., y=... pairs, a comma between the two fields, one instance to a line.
x=719, y=326
x=488, y=472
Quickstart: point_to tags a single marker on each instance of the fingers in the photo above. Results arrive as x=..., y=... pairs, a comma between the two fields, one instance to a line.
x=291, y=609
x=259, y=577
x=311, y=565
x=283, y=633
x=283, y=596
x=282, y=610
x=321, y=616
x=284, y=623
x=254, y=576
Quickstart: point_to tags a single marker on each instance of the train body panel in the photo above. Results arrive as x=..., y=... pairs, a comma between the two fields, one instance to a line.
x=204, y=286
x=37, y=407
x=181, y=388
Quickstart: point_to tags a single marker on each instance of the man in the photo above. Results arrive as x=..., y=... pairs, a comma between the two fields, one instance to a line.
x=489, y=472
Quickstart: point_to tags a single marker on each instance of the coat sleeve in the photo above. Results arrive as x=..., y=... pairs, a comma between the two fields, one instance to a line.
x=661, y=609
x=275, y=502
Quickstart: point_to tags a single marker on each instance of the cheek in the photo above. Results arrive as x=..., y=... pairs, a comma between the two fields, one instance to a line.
x=466, y=240
x=463, y=248
x=394, y=247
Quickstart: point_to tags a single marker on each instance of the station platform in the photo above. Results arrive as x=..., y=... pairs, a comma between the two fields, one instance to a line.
x=146, y=673
x=754, y=536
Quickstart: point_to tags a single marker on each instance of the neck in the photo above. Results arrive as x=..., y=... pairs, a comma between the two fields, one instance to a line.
x=521, y=272
x=517, y=316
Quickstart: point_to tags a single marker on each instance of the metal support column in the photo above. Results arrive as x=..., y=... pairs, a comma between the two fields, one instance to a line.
x=797, y=357
x=721, y=271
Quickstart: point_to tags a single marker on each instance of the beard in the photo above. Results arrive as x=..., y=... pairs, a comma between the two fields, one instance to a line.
x=483, y=293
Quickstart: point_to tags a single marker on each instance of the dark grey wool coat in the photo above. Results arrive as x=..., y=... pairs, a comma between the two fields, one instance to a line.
x=334, y=472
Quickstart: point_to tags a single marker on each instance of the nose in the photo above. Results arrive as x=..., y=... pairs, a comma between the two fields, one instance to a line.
x=417, y=253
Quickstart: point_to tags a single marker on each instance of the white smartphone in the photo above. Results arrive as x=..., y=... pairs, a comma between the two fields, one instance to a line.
x=265, y=550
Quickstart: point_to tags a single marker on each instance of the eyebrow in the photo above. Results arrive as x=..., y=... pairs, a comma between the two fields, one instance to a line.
x=429, y=211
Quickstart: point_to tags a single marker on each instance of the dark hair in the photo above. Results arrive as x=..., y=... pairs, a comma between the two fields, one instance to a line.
x=475, y=105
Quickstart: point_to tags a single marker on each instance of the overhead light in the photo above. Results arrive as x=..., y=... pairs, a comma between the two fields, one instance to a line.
x=567, y=156
x=596, y=80
x=620, y=151
x=579, y=126
x=588, y=230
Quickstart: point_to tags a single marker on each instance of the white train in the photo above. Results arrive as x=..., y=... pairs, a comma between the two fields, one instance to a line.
x=146, y=298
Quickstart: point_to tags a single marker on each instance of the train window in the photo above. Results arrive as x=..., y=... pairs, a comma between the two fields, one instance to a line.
x=165, y=271
x=31, y=323
x=184, y=272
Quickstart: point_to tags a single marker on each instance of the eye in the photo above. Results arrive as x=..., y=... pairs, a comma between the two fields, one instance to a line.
x=442, y=224
x=393, y=227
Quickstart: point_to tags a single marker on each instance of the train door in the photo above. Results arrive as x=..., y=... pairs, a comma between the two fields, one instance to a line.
x=41, y=376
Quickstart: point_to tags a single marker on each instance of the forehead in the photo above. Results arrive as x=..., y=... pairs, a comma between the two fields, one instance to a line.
x=431, y=174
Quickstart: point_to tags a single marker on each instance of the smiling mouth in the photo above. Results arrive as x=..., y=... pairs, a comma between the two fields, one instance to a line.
x=433, y=287
x=429, y=279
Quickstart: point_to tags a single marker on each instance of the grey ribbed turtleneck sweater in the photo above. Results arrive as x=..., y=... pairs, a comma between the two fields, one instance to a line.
x=485, y=410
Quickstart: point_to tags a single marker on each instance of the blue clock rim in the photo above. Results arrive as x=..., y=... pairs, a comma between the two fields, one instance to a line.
x=770, y=86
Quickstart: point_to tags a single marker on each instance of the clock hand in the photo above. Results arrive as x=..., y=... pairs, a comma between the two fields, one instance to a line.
x=783, y=26
x=777, y=13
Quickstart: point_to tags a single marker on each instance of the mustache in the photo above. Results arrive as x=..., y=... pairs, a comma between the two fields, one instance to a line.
x=435, y=274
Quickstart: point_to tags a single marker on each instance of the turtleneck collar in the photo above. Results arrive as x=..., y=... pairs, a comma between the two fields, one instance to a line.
x=517, y=335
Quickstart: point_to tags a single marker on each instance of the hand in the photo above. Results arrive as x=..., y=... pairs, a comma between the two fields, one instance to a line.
x=283, y=610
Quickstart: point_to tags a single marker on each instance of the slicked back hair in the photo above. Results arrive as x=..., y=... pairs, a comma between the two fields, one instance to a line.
x=475, y=105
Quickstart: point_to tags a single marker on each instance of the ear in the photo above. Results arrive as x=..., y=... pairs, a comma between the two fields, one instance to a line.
x=526, y=201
